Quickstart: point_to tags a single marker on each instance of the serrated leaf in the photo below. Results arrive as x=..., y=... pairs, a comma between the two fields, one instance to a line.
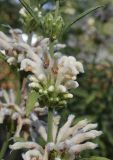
x=82, y=15
x=32, y=99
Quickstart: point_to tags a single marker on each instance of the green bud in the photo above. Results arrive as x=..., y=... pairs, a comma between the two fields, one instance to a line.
x=63, y=102
x=47, y=24
x=57, y=27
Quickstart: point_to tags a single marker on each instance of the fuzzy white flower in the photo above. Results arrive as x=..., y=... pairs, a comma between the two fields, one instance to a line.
x=70, y=143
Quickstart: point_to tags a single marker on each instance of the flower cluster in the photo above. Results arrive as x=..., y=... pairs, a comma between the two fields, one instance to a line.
x=17, y=114
x=51, y=76
x=65, y=144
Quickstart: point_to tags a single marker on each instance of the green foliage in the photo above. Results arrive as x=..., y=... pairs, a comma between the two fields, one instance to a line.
x=80, y=16
x=95, y=158
x=31, y=100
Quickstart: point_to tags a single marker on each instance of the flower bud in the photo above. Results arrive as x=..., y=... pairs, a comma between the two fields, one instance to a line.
x=34, y=85
x=33, y=78
x=62, y=89
x=63, y=102
x=51, y=88
x=41, y=77
x=69, y=95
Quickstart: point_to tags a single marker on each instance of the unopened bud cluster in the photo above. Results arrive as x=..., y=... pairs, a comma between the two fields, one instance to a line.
x=52, y=26
x=50, y=95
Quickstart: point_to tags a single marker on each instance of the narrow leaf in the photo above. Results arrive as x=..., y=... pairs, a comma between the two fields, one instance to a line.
x=32, y=99
x=82, y=15
x=95, y=158
x=30, y=10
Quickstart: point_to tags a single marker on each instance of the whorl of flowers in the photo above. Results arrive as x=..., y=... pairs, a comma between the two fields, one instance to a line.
x=68, y=141
x=17, y=113
x=52, y=76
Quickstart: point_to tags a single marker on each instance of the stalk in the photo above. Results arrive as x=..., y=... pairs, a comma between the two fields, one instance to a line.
x=50, y=125
x=5, y=146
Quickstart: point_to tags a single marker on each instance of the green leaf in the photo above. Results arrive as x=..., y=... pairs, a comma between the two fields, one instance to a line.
x=32, y=99
x=30, y=10
x=2, y=57
x=95, y=158
x=91, y=98
x=82, y=15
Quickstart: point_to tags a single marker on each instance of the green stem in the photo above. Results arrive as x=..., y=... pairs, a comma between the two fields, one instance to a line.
x=51, y=50
x=50, y=125
x=57, y=9
x=30, y=38
x=4, y=146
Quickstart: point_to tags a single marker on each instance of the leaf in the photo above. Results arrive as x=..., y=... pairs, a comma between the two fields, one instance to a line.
x=91, y=98
x=95, y=158
x=30, y=10
x=32, y=99
x=2, y=57
x=82, y=15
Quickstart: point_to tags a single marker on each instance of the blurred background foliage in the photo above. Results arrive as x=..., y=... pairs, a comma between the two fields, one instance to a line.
x=90, y=40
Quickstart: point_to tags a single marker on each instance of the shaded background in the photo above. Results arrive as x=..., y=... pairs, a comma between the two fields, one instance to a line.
x=91, y=41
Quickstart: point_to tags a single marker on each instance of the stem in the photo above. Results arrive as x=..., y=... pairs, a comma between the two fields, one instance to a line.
x=5, y=146
x=50, y=125
x=57, y=9
x=29, y=38
x=51, y=50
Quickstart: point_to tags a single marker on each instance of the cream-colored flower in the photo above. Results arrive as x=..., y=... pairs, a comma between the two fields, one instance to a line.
x=68, y=140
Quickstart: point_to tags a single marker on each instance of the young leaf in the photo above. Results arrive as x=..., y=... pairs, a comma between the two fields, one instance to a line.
x=82, y=15
x=32, y=99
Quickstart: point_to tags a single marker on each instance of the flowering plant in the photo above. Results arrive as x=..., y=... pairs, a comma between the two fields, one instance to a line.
x=47, y=79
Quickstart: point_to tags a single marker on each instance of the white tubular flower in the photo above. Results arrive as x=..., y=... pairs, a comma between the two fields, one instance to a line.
x=32, y=153
x=79, y=67
x=51, y=146
x=11, y=60
x=62, y=132
x=59, y=46
x=89, y=127
x=56, y=121
x=61, y=88
x=4, y=37
x=27, y=145
x=81, y=137
x=78, y=126
x=71, y=84
x=80, y=147
x=71, y=138
x=4, y=45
